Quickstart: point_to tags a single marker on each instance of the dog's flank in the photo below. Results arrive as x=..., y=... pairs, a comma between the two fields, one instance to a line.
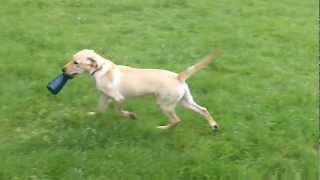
x=184, y=75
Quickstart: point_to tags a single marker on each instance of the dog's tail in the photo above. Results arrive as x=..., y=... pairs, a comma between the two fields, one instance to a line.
x=184, y=75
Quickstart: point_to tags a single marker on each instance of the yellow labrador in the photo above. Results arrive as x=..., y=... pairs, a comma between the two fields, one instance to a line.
x=117, y=82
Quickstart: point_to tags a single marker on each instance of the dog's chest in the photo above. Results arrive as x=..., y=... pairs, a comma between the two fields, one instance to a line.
x=107, y=84
x=104, y=85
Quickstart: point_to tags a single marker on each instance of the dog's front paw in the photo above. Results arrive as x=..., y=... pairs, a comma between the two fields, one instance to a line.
x=132, y=115
x=91, y=113
x=163, y=127
x=128, y=114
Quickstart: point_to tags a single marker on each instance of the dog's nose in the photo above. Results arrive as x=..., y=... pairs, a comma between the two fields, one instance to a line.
x=63, y=70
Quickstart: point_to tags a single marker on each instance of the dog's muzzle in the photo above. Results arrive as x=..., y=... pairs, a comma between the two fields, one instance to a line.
x=70, y=76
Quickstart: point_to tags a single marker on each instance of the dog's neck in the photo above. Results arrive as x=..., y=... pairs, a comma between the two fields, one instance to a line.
x=96, y=70
x=104, y=67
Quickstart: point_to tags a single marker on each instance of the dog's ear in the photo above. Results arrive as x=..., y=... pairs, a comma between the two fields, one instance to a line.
x=93, y=62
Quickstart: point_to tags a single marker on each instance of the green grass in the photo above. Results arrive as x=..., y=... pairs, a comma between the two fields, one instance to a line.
x=262, y=90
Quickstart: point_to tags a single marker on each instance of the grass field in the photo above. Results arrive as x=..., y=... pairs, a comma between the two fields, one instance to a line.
x=262, y=90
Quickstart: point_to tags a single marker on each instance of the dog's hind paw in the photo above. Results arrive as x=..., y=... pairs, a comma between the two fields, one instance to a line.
x=215, y=128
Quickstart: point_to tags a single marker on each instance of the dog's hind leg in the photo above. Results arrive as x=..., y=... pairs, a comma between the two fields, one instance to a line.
x=188, y=102
x=167, y=105
x=173, y=118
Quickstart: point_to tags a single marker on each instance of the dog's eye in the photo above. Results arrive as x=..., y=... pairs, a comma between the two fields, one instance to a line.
x=75, y=62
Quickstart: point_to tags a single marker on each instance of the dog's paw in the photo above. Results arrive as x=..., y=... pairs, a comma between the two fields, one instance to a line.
x=91, y=113
x=163, y=127
x=132, y=115
x=215, y=128
x=128, y=114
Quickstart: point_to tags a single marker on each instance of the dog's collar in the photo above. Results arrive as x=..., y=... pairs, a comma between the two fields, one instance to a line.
x=97, y=69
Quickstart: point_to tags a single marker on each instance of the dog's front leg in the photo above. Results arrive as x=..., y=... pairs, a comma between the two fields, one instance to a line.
x=102, y=105
x=122, y=112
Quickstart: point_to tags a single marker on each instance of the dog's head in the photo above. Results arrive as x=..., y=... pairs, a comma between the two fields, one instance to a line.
x=83, y=61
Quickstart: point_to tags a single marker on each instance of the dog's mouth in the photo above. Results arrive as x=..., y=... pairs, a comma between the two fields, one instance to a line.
x=70, y=76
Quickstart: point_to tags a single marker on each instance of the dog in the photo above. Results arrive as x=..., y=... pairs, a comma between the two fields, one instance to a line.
x=118, y=82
